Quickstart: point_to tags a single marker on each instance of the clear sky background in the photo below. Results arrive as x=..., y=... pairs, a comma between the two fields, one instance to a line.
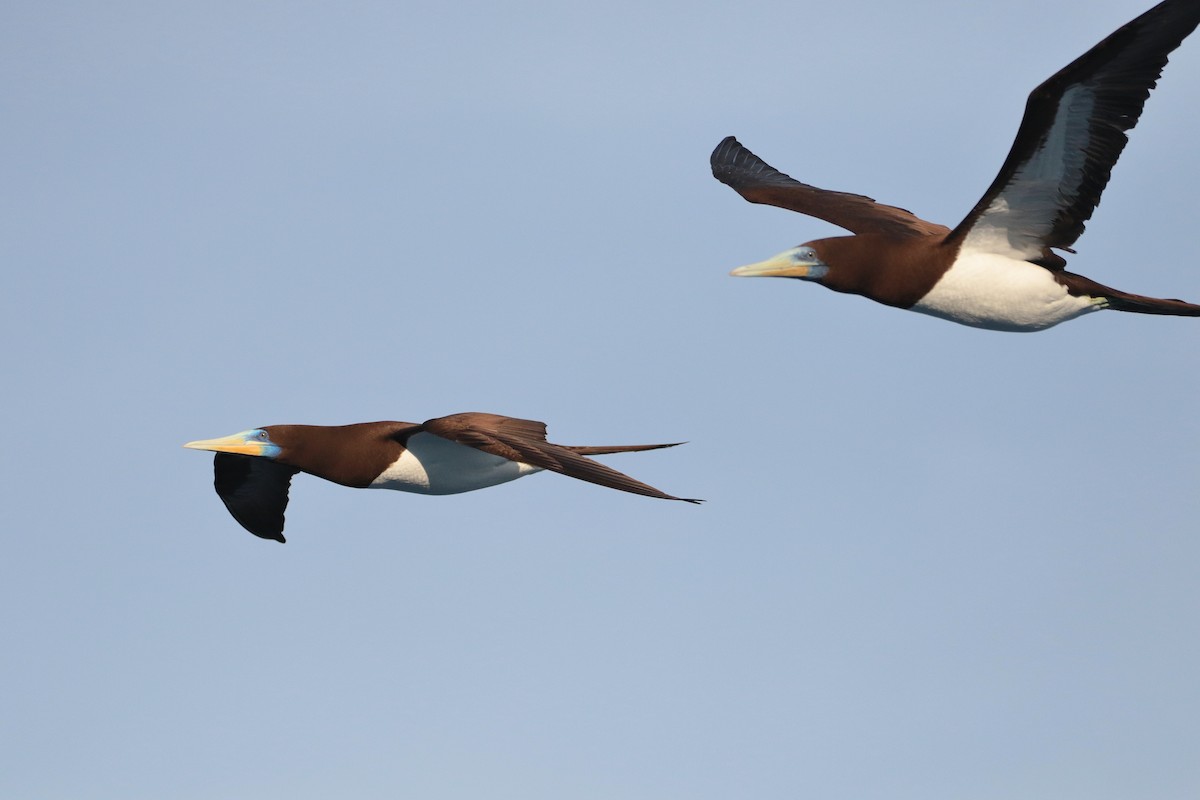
x=935, y=562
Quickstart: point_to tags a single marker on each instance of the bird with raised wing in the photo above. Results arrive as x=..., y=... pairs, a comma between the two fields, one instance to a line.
x=997, y=268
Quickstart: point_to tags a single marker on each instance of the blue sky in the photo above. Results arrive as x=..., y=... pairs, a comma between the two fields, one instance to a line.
x=935, y=562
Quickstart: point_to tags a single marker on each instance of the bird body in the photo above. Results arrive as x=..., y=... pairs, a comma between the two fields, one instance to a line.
x=447, y=455
x=433, y=465
x=997, y=268
x=1002, y=293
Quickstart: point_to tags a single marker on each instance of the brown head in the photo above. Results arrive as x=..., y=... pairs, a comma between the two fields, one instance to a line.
x=352, y=455
x=895, y=271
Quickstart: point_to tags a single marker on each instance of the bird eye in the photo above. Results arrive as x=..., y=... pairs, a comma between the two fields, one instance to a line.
x=262, y=435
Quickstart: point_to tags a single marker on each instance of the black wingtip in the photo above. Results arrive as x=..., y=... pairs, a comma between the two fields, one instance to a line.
x=720, y=152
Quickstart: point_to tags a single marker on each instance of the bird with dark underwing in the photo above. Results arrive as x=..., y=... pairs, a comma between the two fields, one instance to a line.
x=447, y=455
x=997, y=268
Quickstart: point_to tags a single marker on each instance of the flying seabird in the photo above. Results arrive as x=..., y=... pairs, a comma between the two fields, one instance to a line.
x=996, y=269
x=447, y=455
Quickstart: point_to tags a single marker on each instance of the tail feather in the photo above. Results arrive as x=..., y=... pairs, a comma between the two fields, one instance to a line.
x=599, y=450
x=1124, y=301
x=1120, y=301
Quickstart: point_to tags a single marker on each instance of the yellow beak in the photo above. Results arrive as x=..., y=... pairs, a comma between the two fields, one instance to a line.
x=240, y=443
x=785, y=265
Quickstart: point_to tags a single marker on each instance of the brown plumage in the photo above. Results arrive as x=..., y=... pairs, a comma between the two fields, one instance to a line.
x=447, y=455
x=977, y=274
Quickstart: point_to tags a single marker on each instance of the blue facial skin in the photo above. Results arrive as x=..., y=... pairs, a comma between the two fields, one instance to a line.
x=808, y=255
x=260, y=437
x=817, y=271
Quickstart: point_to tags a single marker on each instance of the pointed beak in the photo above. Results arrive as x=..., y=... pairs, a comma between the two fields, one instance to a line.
x=240, y=443
x=785, y=265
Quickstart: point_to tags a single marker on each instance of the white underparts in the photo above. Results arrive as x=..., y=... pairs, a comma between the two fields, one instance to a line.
x=433, y=465
x=1002, y=293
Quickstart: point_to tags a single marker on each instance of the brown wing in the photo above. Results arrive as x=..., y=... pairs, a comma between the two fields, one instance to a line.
x=1071, y=135
x=759, y=182
x=524, y=440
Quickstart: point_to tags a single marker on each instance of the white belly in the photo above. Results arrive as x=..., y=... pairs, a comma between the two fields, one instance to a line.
x=433, y=465
x=985, y=290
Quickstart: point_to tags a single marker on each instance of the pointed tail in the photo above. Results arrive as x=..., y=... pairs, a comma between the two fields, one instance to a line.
x=1124, y=301
x=599, y=450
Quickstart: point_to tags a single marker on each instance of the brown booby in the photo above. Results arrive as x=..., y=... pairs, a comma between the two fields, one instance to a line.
x=996, y=269
x=447, y=455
